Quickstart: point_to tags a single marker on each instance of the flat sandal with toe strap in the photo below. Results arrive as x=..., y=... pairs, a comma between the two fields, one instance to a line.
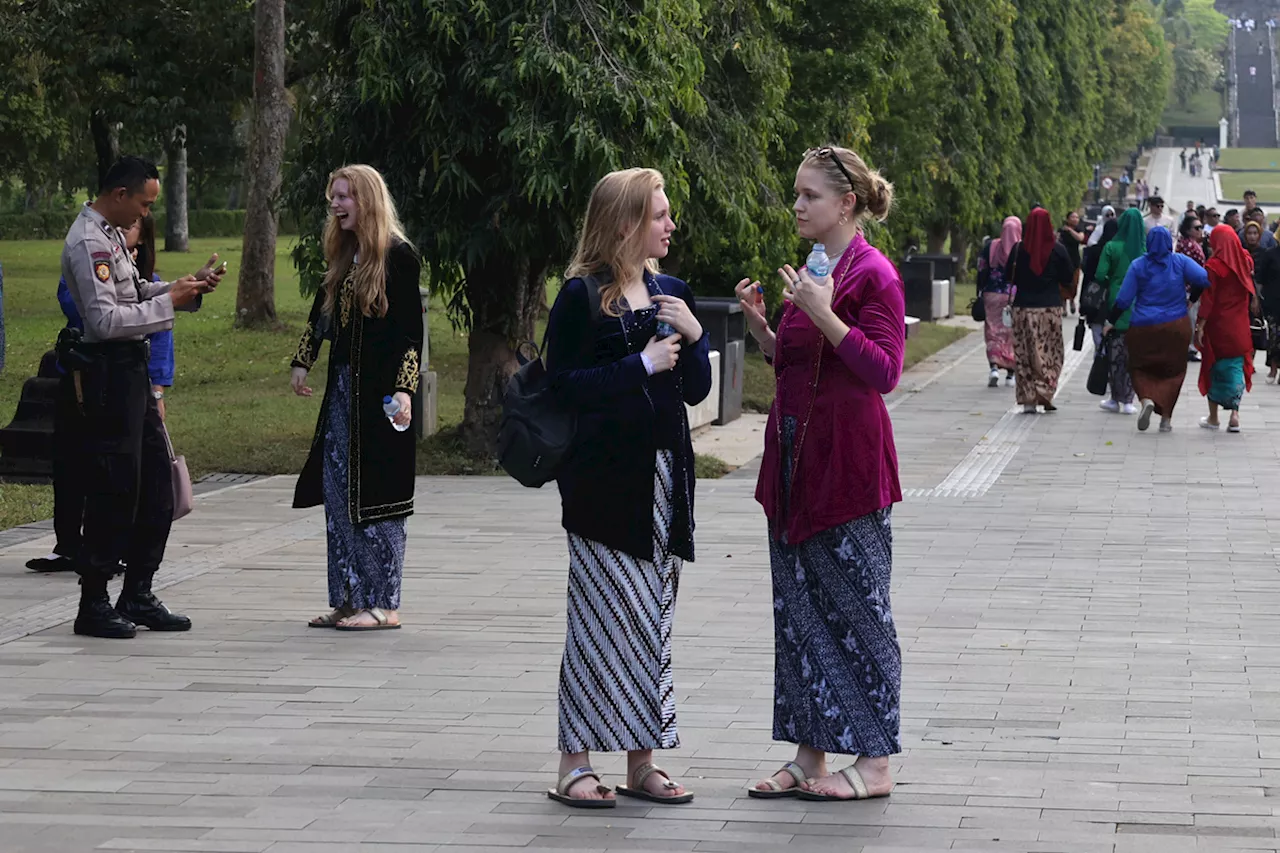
x=855, y=780
x=776, y=791
x=380, y=621
x=561, y=791
x=331, y=620
x=641, y=775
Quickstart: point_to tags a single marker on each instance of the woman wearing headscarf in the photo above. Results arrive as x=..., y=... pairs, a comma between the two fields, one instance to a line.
x=1222, y=328
x=1192, y=242
x=1120, y=252
x=995, y=298
x=1108, y=215
x=1089, y=263
x=1251, y=238
x=1037, y=267
x=1155, y=287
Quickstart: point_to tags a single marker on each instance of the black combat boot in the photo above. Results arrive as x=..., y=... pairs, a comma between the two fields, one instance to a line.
x=97, y=618
x=138, y=604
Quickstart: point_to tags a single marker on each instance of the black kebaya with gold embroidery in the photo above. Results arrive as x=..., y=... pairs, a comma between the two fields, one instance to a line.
x=385, y=354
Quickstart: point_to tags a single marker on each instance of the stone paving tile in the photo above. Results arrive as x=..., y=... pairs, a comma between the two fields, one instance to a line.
x=1090, y=656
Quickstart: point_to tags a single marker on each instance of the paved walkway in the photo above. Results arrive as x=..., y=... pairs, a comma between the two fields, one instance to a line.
x=1177, y=186
x=1090, y=618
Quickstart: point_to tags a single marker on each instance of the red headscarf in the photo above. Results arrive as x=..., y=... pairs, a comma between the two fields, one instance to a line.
x=1038, y=239
x=1230, y=260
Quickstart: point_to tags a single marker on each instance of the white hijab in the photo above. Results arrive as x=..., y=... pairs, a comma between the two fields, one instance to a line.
x=1108, y=212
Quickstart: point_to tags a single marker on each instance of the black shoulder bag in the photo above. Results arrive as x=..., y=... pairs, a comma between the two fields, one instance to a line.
x=537, y=430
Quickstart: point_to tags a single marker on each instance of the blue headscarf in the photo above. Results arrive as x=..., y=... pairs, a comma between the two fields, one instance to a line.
x=1159, y=248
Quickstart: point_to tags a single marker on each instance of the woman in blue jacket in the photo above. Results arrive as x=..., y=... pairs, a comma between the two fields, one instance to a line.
x=1155, y=287
x=628, y=368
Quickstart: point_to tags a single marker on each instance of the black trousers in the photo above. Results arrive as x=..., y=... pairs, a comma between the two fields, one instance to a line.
x=127, y=478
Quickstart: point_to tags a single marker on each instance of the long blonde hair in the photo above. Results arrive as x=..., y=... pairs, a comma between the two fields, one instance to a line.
x=377, y=227
x=613, y=233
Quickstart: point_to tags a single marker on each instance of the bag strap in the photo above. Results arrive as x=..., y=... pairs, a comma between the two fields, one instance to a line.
x=168, y=443
x=593, y=309
x=1013, y=282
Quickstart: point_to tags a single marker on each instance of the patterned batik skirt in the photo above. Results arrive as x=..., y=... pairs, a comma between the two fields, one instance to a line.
x=366, y=561
x=837, y=664
x=1226, y=383
x=1118, y=378
x=998, y=336
x=1037, y=344
x=616, y=690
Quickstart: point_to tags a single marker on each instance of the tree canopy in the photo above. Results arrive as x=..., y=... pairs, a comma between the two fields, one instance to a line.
x=493, y=120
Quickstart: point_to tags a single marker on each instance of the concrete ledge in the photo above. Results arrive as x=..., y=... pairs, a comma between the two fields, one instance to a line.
x=709, y=409
x=913, y=326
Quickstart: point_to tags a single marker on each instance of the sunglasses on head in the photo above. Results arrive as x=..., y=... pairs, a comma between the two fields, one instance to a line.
x=826, y=152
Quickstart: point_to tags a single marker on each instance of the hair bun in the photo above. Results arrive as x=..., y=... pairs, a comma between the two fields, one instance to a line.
x=881, y=199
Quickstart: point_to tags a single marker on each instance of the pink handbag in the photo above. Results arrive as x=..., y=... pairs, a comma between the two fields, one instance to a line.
x=183, y=498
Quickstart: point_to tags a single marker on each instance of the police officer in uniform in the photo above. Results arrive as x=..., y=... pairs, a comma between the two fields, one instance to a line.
x=129, y=490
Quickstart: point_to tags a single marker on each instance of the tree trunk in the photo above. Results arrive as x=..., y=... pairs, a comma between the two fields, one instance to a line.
x=106, y=144
x=176, y=233
x=936, y=235
x=255, y=298
x=960, y=249
x=504, y=295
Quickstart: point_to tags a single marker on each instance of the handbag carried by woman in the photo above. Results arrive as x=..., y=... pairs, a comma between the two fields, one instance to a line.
x=1100, y=372
x=978, y=309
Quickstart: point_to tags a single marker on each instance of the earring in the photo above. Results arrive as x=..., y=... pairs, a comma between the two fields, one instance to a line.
x=843, y=219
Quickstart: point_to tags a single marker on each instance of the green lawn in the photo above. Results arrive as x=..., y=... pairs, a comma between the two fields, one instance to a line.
x=231, y=408
x=1265, y=184
x=1260, y=159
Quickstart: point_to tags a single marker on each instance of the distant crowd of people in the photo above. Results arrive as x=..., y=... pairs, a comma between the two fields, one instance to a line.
x=1155, y=293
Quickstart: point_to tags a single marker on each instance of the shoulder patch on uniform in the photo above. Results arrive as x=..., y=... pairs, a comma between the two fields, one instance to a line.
x=102, y=270
x=103, y=256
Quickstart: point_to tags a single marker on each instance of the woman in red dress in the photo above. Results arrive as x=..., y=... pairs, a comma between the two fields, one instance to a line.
x=1222, y=328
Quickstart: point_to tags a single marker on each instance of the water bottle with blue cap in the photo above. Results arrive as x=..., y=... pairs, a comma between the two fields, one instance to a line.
x=391, y=408
x=818, y=264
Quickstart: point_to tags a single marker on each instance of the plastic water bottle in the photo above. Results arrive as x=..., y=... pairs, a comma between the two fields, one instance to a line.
x=391, y=408
x=818, y=264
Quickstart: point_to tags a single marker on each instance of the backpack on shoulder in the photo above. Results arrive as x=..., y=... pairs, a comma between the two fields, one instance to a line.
x=537, y=431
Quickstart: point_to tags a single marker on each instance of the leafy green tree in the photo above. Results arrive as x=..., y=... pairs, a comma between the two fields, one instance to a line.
x=1197, y=33
x=1138, y=69
x=737, y=220
x=1207, y=26
x=865, y=76
x=492, y=122
x=1058, y=54
x=979, y=107
x=148, y=75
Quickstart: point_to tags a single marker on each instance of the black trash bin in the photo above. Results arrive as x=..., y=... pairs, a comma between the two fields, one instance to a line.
x=944, y=266
x=26, y=444
x=917, y=280
x=727, y=327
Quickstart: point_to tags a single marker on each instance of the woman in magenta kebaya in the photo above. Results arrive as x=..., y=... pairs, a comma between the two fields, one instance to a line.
x=827, y=483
